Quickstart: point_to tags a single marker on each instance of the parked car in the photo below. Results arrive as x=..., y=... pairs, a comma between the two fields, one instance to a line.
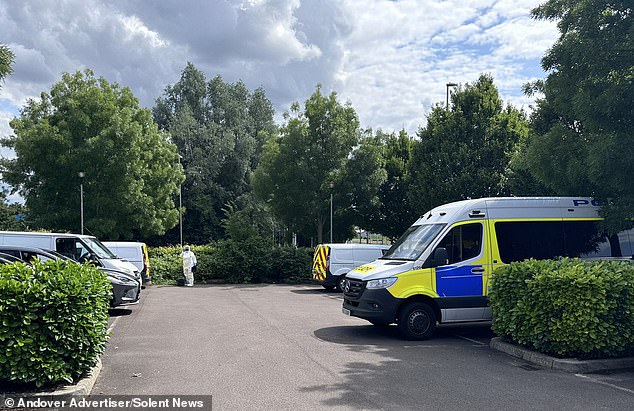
x=134, y=252
x=76, y=246
x=125, y=288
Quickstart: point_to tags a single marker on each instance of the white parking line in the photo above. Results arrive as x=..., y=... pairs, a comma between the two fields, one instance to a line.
x=471, y=340
x=604, y=383
x=112, y=325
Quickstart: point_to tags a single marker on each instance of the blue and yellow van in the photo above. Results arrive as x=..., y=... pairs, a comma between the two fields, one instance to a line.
x=440, y=269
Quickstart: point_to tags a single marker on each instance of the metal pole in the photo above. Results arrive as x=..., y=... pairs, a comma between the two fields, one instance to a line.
x=81, y=205
x=81, y=175
x=180, y=212
x=331, y=217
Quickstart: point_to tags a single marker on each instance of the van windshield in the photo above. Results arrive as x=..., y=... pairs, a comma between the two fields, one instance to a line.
x=98, y=248
x=412, y=244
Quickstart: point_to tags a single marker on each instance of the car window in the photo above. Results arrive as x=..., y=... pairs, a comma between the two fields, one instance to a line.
x=463, y=242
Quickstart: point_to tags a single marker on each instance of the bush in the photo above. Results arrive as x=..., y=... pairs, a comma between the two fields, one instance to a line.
x=247, y=261
x=253, y=260
x=166, y=265
x=290, y=264
x=566, y=307
x=53, y=321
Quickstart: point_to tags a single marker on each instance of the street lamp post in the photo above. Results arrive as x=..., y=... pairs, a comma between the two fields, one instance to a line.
x=449, y=85
x=180, y=206
x=81, y=199
x=332, y=185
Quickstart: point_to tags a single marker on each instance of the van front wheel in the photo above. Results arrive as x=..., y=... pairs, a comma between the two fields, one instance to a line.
x=341, y=283
x=417, y=321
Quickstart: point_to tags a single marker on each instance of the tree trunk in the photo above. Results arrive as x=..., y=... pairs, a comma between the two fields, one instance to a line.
x=320, y=230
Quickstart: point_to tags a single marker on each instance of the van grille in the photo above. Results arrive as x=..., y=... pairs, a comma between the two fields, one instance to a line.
x=353, y=288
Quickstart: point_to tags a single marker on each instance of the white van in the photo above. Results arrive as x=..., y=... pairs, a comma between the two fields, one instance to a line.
x=76, y=246
x=134, y=252
x=331, y=262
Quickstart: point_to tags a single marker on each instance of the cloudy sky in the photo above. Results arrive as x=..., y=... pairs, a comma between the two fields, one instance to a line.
x=390, y=59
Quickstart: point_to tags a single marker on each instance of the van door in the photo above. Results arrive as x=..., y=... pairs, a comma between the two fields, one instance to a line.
x=461, y=284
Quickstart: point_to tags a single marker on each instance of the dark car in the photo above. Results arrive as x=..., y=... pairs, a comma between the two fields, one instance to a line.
x=125, y=288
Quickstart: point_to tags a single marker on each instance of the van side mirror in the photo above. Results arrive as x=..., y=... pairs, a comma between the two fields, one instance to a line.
x=438, y=258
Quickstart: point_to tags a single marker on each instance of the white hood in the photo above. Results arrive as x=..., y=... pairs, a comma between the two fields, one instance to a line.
x=122, y=265
x=380, y=269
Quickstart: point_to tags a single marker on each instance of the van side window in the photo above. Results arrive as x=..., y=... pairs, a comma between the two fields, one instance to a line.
x=463, y=242
x=591, y=243
x=520, y=240
x=70, y=247
x=66, y=247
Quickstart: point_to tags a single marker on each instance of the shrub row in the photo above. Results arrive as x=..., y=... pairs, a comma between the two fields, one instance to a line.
x=566, y=307
x=249, y=261
x=53, y=321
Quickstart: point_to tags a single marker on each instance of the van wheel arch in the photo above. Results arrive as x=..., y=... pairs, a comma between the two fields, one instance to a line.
x=419, y=298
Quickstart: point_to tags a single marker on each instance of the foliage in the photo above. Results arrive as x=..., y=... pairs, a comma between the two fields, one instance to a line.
x=166, y=264
x=358, y=184
x=53, y=321
x=13, y=216
x=219, y=129
x=6, y=62
x=463, y=152
x=252, y=260
x=566, y=307
x=89, y=125
x=298, y=166
x=247, y=217
x=396, y=213
x=582, y=127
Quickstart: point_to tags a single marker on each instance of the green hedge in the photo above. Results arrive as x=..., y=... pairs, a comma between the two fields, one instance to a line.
x=53, y=321
x=566, y=307
x=249, y=261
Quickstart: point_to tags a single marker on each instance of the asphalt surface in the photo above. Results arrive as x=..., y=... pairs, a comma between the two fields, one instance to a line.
x=289, y=347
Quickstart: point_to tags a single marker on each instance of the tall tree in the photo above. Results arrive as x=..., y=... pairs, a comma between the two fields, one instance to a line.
x=298, y=166
x=6, y=62
x=463, y=152
x=88, y=125
x=582, y=127
x=358, y=183
x=396, y=212
x=219, y=129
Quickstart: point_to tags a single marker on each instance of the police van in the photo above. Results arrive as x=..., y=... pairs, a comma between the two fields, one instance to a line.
x=440, y=269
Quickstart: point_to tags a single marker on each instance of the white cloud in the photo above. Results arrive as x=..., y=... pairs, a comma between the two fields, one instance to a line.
x=391, y=59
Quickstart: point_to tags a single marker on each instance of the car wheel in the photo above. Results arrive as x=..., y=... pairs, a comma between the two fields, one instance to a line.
x=341, y=282
x=417, y=321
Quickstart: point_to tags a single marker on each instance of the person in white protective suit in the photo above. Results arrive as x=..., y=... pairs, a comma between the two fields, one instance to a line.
x=189, y=264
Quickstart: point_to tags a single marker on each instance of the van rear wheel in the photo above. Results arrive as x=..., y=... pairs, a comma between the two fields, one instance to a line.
x=417, y=321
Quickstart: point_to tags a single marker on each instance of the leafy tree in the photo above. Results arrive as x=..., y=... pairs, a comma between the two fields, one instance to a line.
x=396, y=212
x=463, y=152
x=219, y=129
x=6, y=62
x=298, y=165
x=87, y=124
x=13, y=216
x=582, y=127
x=357, y=186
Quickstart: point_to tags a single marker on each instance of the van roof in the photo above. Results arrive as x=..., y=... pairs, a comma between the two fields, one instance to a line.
x=122, y=243
x=355, y=246
x=512, y=207
x=40, y=234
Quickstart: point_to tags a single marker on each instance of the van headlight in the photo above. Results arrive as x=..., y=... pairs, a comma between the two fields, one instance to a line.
x=381, y=283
